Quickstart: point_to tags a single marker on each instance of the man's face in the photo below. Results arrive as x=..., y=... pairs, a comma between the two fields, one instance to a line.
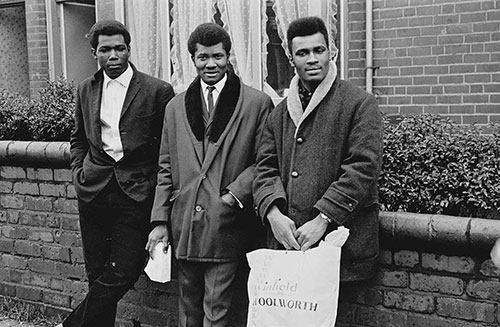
x=112, y=54
x=210, y=62
x=310, y=57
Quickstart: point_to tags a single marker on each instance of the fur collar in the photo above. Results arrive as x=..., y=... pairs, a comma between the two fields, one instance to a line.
x=294, y=105
x=224, y=109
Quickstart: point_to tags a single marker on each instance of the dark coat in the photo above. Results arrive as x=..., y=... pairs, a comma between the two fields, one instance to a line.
x=190, y=184
x=140, y=129
x=330, y=164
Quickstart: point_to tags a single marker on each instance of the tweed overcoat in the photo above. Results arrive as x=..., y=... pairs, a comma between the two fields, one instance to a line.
x=190, y=182
x=330, y=164
x=140, y=129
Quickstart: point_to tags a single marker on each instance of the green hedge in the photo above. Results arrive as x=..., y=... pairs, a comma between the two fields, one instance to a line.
x=432, y=165
x=48, y=118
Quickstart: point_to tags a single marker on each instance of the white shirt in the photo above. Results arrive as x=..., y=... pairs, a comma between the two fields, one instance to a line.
x=216, y=92
x=113, y=96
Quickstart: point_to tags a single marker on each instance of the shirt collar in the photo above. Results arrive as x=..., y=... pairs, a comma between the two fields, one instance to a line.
x=218, y=86
x=124, y=79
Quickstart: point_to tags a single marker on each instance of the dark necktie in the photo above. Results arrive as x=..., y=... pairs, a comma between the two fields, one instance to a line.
x=210, y=99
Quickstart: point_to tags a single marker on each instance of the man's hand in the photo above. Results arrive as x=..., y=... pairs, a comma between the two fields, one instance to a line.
x=158, y=234
x=283, y=228
x=311, y=232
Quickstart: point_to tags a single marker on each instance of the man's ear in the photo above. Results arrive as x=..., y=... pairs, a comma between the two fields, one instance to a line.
x=94, y=53
x=291, y=61
x=192, y=58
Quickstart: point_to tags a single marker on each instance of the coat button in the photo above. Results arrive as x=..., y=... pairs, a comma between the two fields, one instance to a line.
x=204, y=177
x=300, y=140
x=198, y=208
x=295, y=174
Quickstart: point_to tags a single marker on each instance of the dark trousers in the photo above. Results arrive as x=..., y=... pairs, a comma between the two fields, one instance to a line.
x=114, y=233
x=205, y=293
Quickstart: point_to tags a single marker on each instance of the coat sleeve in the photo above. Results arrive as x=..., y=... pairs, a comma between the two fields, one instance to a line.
x=267, y=186
x=162, y=204
x=241, y=187
x=78, y=140
x=360, y=166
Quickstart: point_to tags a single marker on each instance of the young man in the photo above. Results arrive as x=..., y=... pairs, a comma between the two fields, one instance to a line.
x=114, y=159
x=203, y=202
x=320, y=158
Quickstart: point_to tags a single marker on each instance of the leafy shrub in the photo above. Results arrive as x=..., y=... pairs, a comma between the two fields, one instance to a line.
x=53, y=114
x=49, y=118
x=14, y=112
x=432, y=165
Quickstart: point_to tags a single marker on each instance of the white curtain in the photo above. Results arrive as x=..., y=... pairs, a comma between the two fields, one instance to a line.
x=186, y=16
x=147, y=24
x=245, y=21
x=289, y=10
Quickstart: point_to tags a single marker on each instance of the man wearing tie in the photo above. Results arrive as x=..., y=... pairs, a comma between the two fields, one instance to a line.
x=203, y=204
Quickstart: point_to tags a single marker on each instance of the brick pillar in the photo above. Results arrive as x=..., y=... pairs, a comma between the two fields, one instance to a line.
x=38, y=59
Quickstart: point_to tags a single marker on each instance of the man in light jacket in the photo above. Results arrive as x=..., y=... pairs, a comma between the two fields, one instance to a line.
x=203, y=203
x=320, y=158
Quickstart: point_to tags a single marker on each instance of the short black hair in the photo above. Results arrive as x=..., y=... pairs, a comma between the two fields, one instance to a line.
x=209, y=34
x=305, y=26
x=107, y=27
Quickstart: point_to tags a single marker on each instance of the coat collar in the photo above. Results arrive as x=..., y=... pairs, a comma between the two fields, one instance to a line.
x=294, y=105
x=224, y=109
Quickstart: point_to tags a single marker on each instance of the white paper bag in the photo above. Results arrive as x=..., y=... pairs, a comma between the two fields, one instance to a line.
x=295, y=288
x=159, y=268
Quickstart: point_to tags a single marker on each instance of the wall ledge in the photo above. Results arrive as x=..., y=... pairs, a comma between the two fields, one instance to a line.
x=35, y=153
x=456, y=233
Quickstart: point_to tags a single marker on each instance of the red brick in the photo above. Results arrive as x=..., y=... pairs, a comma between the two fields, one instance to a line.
x=26, y=188
x=42, y=266
x=474, y=119
x=486, y=27
x=11, y=201
x=409, y=301
x=487, y=108
x=71, y=270
x=392, y=278
x=66, y=206
x=42, y=174
x=5, y=187
x=68, y=238
x=27, y=248
x=56, y=190
x=70, y=223
x=436, y=109
x=63, y=175
x=6, y=246
x=468, y=310
x=28, y=218
x=433, y=283
x=57, y=299
x=475, y=98
x=478, y=78
x=463, y=265
x=36, y=279
x=28, y=293
x=406, y=258
x=56, y=253
x=38, y=203
x=12, y=172
x=13, y=261
x=486, y=290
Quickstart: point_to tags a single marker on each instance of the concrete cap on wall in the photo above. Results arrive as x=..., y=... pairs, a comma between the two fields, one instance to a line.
x=35, y=153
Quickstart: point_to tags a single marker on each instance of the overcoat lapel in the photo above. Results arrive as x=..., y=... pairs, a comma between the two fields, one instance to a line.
x=222, y=120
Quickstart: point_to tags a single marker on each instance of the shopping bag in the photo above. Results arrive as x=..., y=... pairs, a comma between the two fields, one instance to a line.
x=295, y=288
x=159, y=268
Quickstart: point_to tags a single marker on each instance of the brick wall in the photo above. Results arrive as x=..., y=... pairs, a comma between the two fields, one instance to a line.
x=435, y=270
x=432, y=56
x=36, y=29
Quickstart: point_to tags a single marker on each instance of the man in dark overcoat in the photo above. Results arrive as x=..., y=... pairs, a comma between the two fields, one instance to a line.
x=203, y=204
x=114, y=160
x=320, y=158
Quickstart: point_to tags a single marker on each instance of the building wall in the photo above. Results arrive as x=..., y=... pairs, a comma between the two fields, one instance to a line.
x=14, y=57
x=434, y=271
x=38, y=57
x=432, y=56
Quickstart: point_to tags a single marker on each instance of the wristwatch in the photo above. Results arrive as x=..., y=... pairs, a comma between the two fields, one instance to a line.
x=325, y=217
